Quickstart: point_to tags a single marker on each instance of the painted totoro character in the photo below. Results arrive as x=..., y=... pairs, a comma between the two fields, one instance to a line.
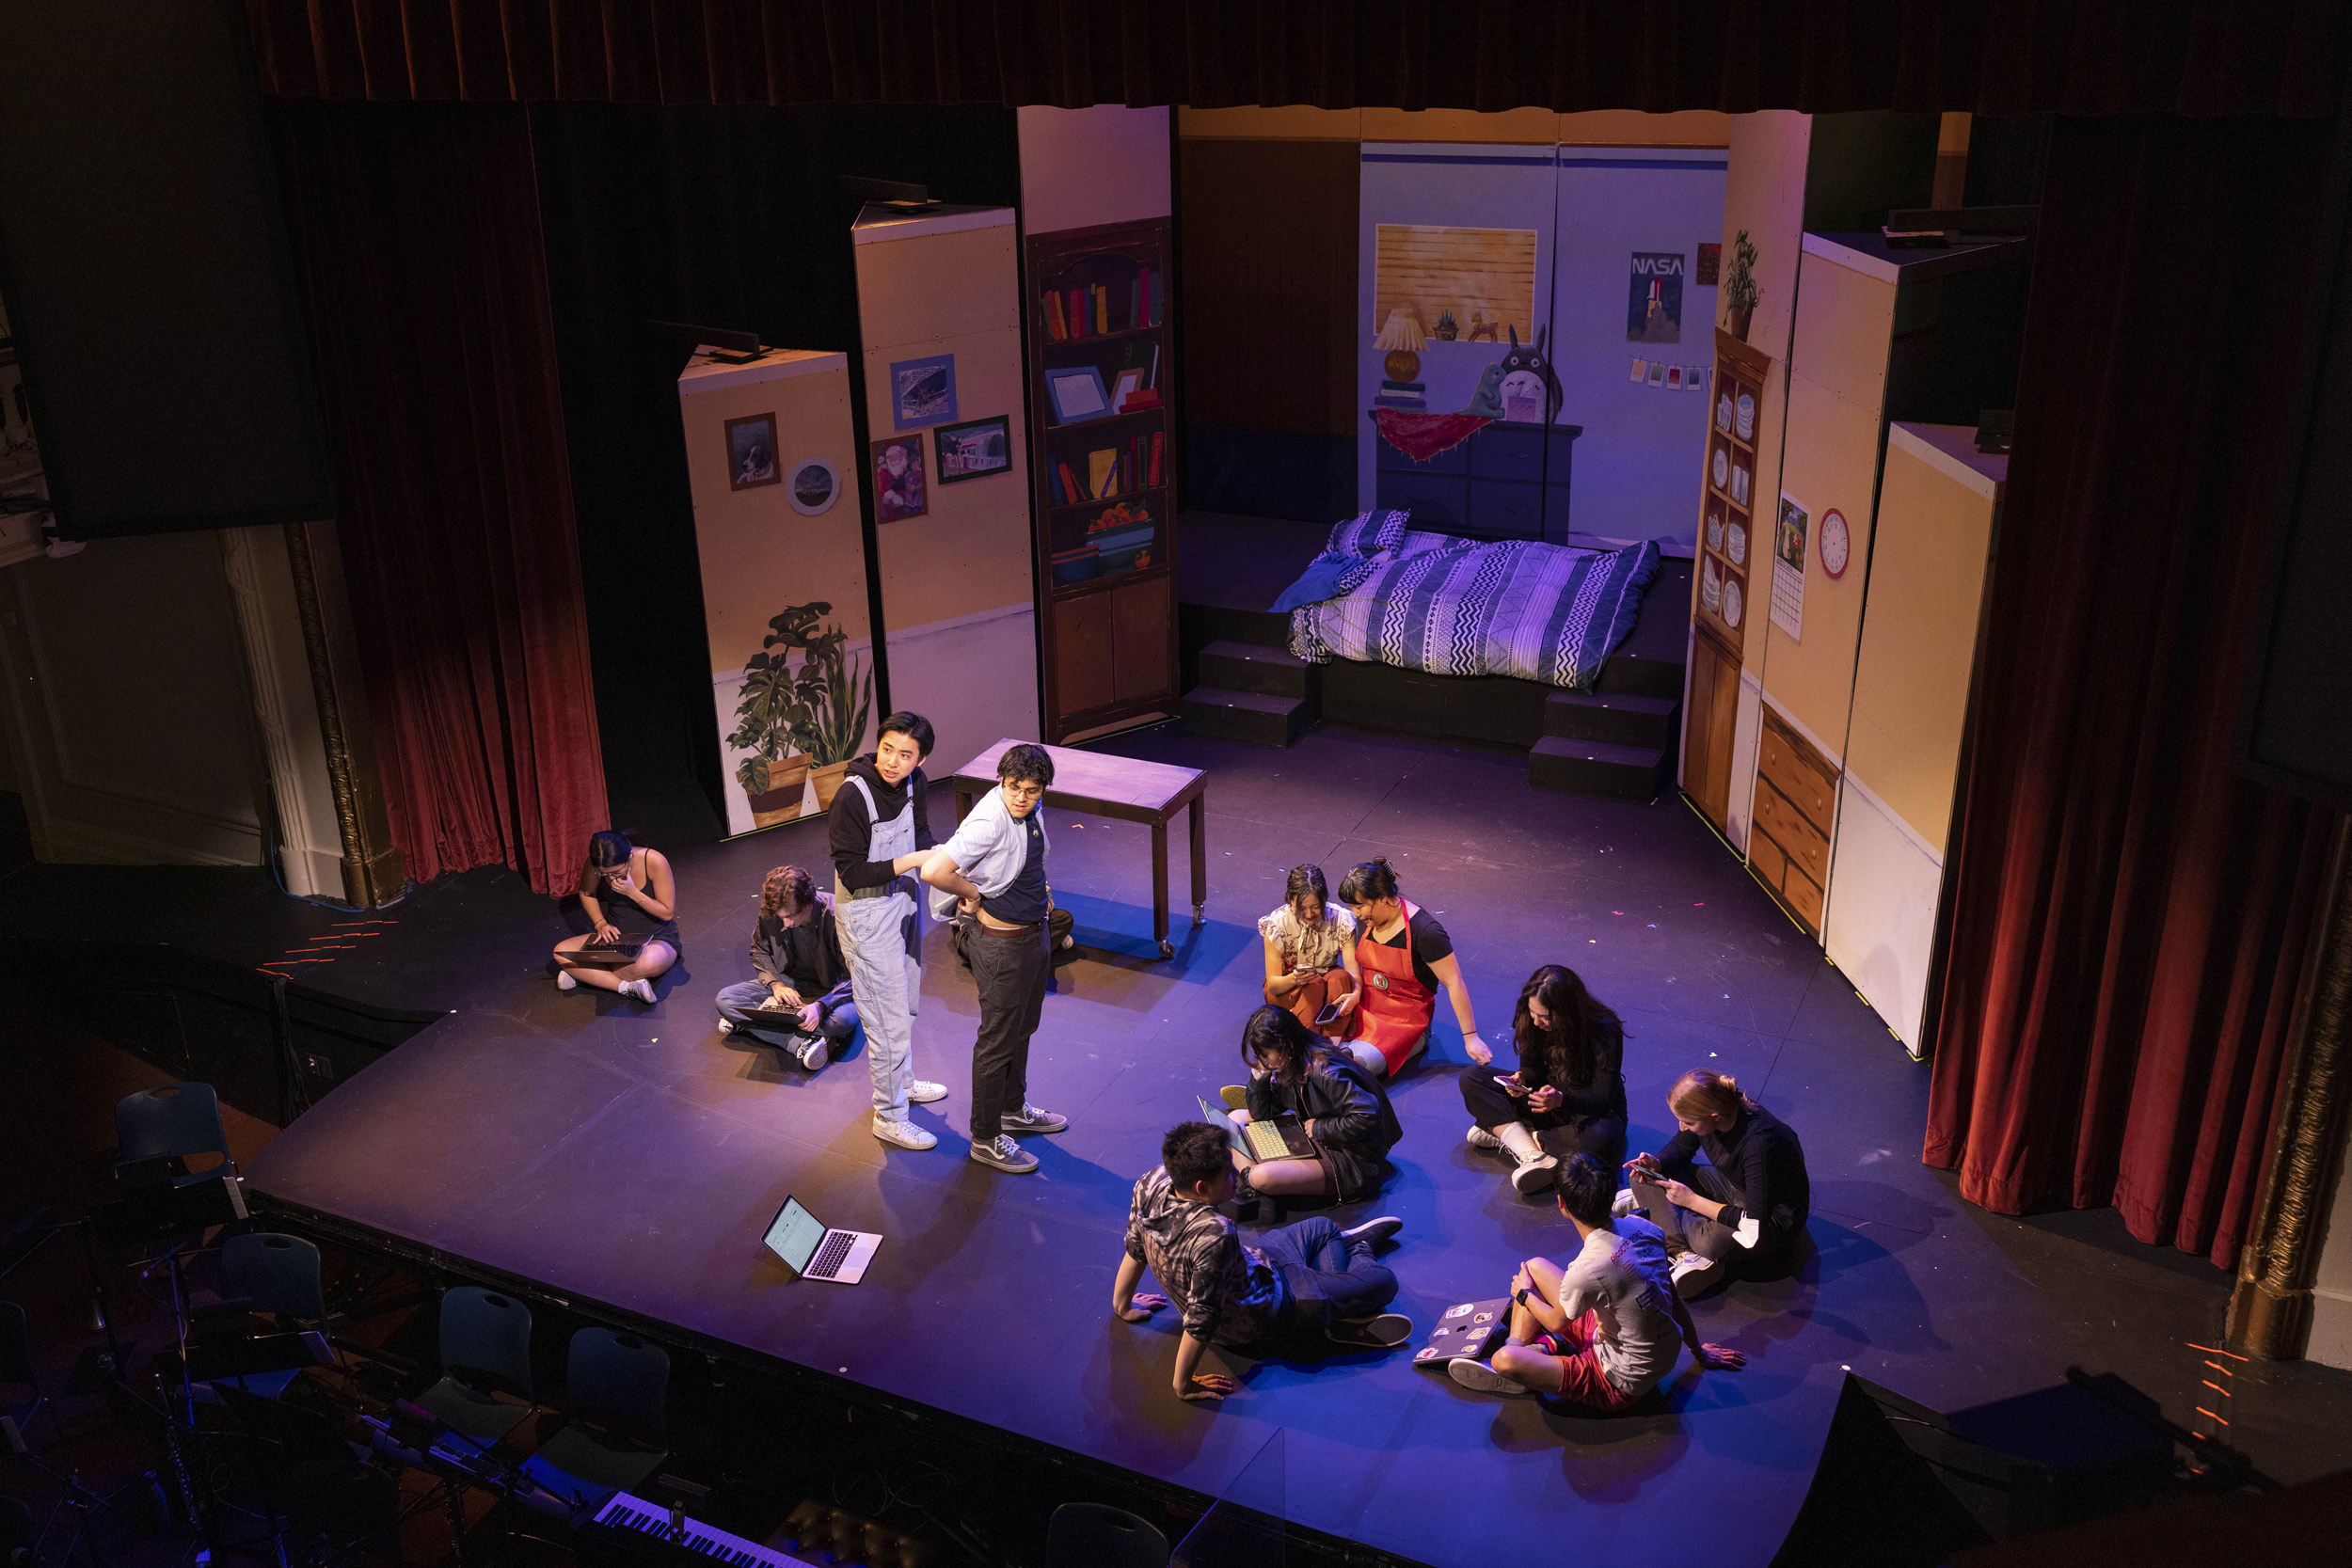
x=1527, y=374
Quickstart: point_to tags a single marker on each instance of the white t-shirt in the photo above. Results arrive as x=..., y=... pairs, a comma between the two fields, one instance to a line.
x=1621, y=1278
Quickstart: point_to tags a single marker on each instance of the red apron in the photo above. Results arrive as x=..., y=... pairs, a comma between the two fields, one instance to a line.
x=1396, y=1009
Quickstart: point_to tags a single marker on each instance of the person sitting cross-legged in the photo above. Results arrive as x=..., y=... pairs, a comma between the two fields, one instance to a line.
x=1568, y=1087
x=1339, y=1107
x=1605, y=1330
x=1306, y=1279
x=800, y=1001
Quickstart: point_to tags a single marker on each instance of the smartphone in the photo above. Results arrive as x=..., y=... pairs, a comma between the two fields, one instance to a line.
x=1330, y=1014
x=1511, y=1085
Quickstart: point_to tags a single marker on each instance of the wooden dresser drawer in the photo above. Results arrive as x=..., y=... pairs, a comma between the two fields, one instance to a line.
x=1806, y=846
x=1798, y=772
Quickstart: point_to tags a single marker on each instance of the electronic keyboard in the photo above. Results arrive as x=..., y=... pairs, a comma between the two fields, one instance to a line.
x=624, y=1513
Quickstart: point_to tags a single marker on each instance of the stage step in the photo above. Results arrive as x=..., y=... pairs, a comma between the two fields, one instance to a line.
x=1253, y=718
x=1254, y=667
x=1639, y=674
x=1620, y=718
x=1597, y=767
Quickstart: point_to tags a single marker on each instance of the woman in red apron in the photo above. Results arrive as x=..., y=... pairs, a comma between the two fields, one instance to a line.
x=1400, y=949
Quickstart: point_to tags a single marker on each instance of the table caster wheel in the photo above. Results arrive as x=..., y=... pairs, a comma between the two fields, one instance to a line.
x=1168, y=948
x=1198, y=917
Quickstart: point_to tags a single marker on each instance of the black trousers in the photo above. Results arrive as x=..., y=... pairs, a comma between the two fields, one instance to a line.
x=1492, y=1106
x=1011, y=971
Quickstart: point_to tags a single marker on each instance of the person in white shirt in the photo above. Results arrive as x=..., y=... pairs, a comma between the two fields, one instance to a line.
x=994, y=866
x=1605, y=1330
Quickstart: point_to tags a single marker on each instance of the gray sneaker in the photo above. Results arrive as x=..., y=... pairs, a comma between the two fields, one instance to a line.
x=815, y=1055
x=1030, y=1120
x=1005, y=1155
x=1375, y=1230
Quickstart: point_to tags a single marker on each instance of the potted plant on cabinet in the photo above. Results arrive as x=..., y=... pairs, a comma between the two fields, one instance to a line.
x=836, y=695
x=1740, y=290
x=776, y=710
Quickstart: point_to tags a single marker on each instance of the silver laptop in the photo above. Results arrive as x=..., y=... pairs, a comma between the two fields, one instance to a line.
x=1278, y=1139
x=813, y=1252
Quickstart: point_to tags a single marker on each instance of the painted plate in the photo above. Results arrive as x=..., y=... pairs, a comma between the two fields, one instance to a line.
x=1731, y=602
x=1715, y=529
x=1723, y=412
x=1723, y=467
x=1745, y=423
x=1736, y=544
x=1710, y=586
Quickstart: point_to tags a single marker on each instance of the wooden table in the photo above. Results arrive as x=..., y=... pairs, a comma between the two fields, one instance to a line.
x=1132, y=791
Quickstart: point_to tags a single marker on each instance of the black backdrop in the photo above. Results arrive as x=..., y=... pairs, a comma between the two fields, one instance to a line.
x=722, y=216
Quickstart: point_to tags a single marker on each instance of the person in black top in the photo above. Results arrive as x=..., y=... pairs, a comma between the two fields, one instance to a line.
x=1403, y=956
x=1569, y=1083
x=880, y=832
x=1295, y=1074
x=1747, y=1208
x=801, y=1003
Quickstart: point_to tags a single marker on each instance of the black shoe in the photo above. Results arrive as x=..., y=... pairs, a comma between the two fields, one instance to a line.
x=1382, y=1331
x=1375, y=1231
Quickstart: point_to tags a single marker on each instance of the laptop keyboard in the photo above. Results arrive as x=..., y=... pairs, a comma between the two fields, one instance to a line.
x=837, y=1246
x=1265, y=1141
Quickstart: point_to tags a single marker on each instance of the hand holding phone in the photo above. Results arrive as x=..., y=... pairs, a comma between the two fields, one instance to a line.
x=1330, y=1014
x=1511, y=1085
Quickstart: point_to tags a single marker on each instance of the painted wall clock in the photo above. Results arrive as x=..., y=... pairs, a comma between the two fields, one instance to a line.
x=1836, y=544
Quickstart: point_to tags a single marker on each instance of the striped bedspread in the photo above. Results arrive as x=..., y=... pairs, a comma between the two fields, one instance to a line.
x=1540, y=612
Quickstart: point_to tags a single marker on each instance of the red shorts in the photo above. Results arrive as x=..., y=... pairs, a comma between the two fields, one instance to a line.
x=1581, y=1381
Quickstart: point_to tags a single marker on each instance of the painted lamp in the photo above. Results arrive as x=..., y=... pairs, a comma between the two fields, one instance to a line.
x=1402, y=337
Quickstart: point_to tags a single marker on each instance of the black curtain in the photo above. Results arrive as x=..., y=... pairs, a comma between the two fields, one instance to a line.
x=732, y=218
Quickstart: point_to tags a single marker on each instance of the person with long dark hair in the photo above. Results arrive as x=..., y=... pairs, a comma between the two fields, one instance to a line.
x=1404, y=957
x=1311, y=954
x=801, y=1004
x=622, y=882
x=1567, y=1090
x=1295, y=1074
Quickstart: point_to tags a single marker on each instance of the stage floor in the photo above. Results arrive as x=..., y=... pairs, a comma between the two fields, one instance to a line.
x=628, y=1156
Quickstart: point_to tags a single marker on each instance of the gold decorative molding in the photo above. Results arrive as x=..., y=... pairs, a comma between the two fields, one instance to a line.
x=2270, y=1309
x=374, y=870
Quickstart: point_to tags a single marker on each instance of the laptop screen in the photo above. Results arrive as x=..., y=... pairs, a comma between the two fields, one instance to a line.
x=1216, y=1117
x=793, y=1235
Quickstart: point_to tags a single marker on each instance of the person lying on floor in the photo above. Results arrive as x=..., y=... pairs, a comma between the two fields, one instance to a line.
x=1605, y=1330
x=1311, y=955
x=1291, y=1073
x=1402, y=955
x=1742, y=1212
x=623, y=883
x=800, y=1001
x=1302, y=1281
x=1569, y=1083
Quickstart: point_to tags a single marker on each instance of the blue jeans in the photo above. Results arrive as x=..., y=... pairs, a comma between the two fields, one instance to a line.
x=1326, y=1276
x=739, y=1005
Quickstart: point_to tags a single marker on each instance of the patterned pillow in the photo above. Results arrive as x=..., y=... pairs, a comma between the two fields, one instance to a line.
x=1371, y=533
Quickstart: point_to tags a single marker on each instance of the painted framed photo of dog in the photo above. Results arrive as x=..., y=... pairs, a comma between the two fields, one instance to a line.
x=752, y=452
x=974, y=449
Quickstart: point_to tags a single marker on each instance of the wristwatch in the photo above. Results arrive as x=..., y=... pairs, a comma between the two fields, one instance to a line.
x=1519, y=1295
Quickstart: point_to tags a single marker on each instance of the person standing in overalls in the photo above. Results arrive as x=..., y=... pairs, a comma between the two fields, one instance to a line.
x=881, y=833
x=1404, y=957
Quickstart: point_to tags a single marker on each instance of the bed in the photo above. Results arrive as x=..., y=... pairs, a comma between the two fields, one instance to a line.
x=1384, y=593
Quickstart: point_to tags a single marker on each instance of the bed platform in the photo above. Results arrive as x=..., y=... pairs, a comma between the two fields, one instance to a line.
x=1244, y=684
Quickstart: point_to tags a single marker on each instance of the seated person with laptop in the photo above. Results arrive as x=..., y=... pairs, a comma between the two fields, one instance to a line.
x=1307, y=1280
x=632, y=903
x=1605, y=1330
x=800, y=1001
x=1342, y=1127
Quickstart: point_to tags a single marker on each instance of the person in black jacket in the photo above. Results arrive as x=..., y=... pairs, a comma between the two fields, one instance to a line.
x=1746, y=1210
x=1291, y=1073
x=1569, y=1083
x=800, y=1001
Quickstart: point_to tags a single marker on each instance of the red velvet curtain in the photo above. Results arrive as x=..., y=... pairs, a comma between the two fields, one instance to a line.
x=1994, y=56
x=2131, y=917
x=417, y=230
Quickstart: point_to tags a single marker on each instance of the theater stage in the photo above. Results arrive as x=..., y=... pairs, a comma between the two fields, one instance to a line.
x=625, y=1158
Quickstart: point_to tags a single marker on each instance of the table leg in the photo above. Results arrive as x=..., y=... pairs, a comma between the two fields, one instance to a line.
x=1200, y=857
x=1159, y=888
x=963, y=805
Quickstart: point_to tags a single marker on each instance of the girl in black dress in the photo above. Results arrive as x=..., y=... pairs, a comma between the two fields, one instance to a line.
x=1569, y=1083
x=1293, y=1073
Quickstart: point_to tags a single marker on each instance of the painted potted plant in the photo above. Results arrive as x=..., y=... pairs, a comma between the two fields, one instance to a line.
x=767, y=718
x=838, y=696
x=1740, y=290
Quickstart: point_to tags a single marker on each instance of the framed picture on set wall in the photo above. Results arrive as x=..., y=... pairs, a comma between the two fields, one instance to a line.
x=752, y=452
x=899, y=490
x=974, y=448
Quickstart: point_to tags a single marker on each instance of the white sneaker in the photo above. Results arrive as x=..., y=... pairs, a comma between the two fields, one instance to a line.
x=726, y=1026
x=1478, y=1137
x=563, y=980
x=1623, y=1205
x=923, y=1092
x=815, y=1055
x=1482, y=1376
x=1534, y=1175
x=1693, y=1272
x=903, y=1133
x=640, y=990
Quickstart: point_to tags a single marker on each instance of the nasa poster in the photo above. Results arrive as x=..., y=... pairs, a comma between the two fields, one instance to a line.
x=1654, y=298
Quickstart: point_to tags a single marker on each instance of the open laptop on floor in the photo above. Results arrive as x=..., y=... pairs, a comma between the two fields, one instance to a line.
x=1279, y=1139
x=813, y=1252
